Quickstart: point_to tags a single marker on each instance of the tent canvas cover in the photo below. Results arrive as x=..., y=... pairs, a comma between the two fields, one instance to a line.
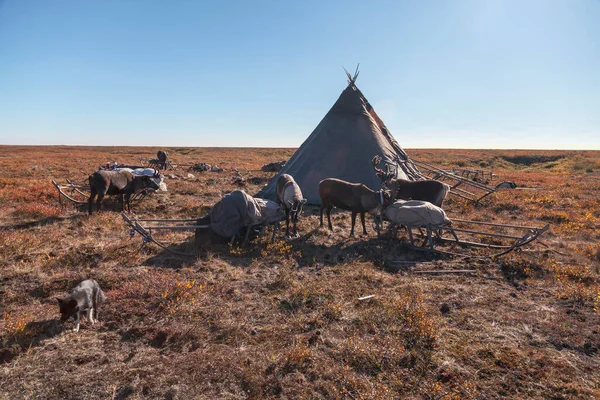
x=342, y=146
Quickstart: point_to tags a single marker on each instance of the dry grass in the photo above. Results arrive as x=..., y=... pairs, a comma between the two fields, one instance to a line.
x=283, y=320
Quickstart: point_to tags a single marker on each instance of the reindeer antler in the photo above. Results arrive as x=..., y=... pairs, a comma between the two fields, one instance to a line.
x=375, y=162
x=383, y=176
x=378, y=171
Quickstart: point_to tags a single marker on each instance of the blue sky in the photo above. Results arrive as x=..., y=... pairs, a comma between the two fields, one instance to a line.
x=463, y=74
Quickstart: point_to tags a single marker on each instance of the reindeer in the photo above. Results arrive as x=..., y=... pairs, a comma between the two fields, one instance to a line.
x=290, y=197
x=163, y=159
x=121, y=183
x=428, y=190
x=354, y=197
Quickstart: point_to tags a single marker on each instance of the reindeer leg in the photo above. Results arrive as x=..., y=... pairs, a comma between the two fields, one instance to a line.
x=128, y=201
x=410, y=235
x=287, y=222
x=329, y=217
x=275, y=228
x=353, y=222
x=99, y=201
x=429, y=238
x=246, y=237
x=362, y=219
x=321, y=214
x=90, y=201
x=454, y=234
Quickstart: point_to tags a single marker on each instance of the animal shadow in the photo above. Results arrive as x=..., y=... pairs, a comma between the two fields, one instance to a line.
x=31, y=336
x=387, y=254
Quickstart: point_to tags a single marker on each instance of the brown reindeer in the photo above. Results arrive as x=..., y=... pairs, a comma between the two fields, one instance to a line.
x=354, y=197
x=428, y=190
x=121, y=183
x=163, y=159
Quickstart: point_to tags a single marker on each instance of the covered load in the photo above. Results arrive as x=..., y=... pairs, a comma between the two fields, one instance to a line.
x=147, y=172
x=238, y=209
x=415, y=214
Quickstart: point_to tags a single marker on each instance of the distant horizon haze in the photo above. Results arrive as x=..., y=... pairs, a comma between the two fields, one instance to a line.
x=466, y=74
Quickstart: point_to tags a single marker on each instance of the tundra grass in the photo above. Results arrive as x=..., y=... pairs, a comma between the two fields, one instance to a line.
x=283, y=319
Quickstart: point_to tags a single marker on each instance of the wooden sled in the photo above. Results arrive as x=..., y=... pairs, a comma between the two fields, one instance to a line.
x=464, y=232
x=155, y=163
x=145, y=228
x=460, y=186
x=72, y=193
x=78, y=194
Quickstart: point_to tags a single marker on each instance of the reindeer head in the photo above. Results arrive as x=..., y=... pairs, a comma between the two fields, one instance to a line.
x=296, y=209
x=384, y=199
x=387, y=197
x=143, y=182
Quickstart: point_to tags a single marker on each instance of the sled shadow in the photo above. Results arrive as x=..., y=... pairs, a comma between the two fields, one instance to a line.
x=42, y=222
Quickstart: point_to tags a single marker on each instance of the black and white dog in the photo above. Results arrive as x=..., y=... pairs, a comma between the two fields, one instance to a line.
x=85, y=297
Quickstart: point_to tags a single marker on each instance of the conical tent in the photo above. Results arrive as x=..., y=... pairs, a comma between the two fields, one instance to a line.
x=342, y=146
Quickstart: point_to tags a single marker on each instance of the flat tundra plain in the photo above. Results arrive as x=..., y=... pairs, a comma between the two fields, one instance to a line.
x=283, y=319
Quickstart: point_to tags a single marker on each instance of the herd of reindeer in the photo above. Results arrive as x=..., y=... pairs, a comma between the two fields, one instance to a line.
x=354, y=197
x=359, y=199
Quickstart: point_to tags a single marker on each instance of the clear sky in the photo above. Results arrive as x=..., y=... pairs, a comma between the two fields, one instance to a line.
x=460, y=73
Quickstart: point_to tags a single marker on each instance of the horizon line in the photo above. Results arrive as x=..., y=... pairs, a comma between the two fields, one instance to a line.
x=292, y=148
